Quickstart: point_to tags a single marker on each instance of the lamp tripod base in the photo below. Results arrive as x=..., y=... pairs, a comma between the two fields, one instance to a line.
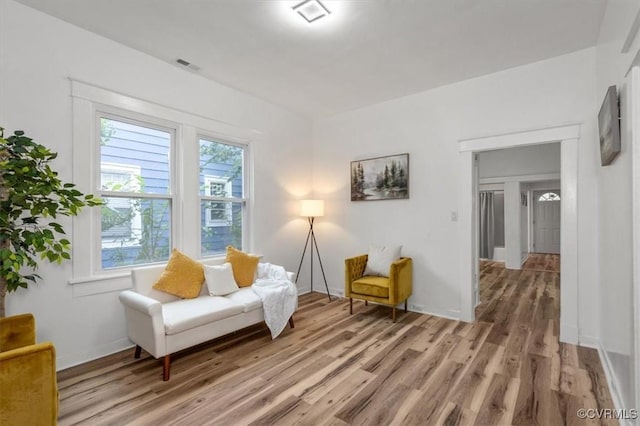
x=312, y=237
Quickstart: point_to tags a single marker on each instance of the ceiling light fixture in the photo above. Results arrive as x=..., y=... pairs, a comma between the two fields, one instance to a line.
x=311, y=10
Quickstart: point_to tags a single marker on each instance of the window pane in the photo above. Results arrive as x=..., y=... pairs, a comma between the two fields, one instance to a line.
x=134, y=158
x=135, y=231
x=549, y=196
x=221, y=226
x=221, y=169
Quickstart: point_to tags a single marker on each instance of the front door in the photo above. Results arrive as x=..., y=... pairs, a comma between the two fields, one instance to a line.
x=546, y=221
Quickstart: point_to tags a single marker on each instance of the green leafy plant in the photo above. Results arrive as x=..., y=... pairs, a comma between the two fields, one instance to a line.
x=32, y=197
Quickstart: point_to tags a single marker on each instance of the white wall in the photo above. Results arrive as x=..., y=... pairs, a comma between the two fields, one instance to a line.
x=614, y=185
x=512, y=225
x=35, y=66
x=428, y=125
x=526, y=160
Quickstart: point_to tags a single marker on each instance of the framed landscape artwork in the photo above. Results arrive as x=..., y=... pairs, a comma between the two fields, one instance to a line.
x=609, y=127
x=381, y=178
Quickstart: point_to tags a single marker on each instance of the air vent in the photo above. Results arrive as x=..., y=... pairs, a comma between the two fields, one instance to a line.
x=187, y=64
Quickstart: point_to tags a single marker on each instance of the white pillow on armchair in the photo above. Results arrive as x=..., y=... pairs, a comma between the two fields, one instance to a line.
x=380, y=260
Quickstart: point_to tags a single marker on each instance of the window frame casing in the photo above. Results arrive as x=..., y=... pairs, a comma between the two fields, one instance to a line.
x=189, y=127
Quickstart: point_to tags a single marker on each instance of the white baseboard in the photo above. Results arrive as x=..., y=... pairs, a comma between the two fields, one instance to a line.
x=523, y=259
x=569, y=334
x=99, y=352
x=590, y=342
x=332, y=292
x=449, y=314
x=419, y=309
x=613, y=384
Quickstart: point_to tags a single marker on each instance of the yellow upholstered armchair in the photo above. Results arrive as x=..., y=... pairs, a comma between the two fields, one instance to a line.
x=28, y=385
x=389, y=291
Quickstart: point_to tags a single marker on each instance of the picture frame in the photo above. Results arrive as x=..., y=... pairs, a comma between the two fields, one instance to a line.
x=609, y=127
x=380, y=178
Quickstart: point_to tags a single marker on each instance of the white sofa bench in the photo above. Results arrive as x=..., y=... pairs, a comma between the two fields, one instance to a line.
x=163, y=324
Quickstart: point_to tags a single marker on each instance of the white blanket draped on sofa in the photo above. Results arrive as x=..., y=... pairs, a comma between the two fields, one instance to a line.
x=279, y=296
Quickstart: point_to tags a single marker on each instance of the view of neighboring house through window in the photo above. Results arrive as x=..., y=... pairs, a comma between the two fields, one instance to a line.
x=222, y=195
x=218, y=214
x=135, y=183
x=118, y=232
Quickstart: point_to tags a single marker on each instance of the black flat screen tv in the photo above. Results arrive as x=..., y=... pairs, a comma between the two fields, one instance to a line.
x=609, y=127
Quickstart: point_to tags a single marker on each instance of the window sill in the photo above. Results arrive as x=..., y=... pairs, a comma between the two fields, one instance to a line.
x=100, y=284
x=97, y=278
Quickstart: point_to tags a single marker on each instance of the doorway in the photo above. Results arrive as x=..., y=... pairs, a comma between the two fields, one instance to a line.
x=546, y=221
x=568, y=136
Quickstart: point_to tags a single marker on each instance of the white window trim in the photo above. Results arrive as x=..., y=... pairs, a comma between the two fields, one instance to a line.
x=87, y=99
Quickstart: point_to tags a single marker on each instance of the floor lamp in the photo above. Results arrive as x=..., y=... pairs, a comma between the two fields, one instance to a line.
x=312, y=209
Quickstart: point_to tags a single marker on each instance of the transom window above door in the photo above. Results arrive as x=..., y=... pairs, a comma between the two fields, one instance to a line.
x=549, y=196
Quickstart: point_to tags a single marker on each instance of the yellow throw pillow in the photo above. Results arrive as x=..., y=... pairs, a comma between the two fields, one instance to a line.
x=243, y=265
x=183, y=276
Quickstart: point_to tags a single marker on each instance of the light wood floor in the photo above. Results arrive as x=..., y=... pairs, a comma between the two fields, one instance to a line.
x=542, y=262
x=337, y=369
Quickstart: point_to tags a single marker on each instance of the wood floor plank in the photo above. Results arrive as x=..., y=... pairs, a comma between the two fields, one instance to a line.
x=470, y=391
x=436, y=392
x=338, y=397
x=499, y=403
x=340, y=369
x=288, y=412
x=453, y=415
x=366, y=406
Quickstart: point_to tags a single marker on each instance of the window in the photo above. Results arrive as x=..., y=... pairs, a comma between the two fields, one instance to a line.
x=166, y=180
x=135, y=184
x=549, y=196
x=222, y=195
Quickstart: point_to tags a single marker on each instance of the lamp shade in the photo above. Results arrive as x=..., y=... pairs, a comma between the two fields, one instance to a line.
x=311, y=208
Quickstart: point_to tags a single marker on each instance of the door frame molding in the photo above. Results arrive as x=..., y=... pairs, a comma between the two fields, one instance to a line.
x=568, y=136
x=634, y=107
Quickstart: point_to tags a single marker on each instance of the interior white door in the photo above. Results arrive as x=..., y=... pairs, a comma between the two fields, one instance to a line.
x=546, y=221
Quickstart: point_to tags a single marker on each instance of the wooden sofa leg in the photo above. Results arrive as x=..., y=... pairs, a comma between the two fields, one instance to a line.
x=405, y=306
x=291, y=322
x=366, y=303
x=350, y=306
x=166, y=365
x=393, y=314
x=137, y=353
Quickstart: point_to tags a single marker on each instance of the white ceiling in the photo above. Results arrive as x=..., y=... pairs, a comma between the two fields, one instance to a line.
x=365, y=52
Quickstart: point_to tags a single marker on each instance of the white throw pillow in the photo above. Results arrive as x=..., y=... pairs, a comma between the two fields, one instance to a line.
x=219, y=278
x=380, y=260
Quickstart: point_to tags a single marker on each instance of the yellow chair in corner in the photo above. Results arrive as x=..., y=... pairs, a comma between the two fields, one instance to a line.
x=389, y=291
x=28, y=383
